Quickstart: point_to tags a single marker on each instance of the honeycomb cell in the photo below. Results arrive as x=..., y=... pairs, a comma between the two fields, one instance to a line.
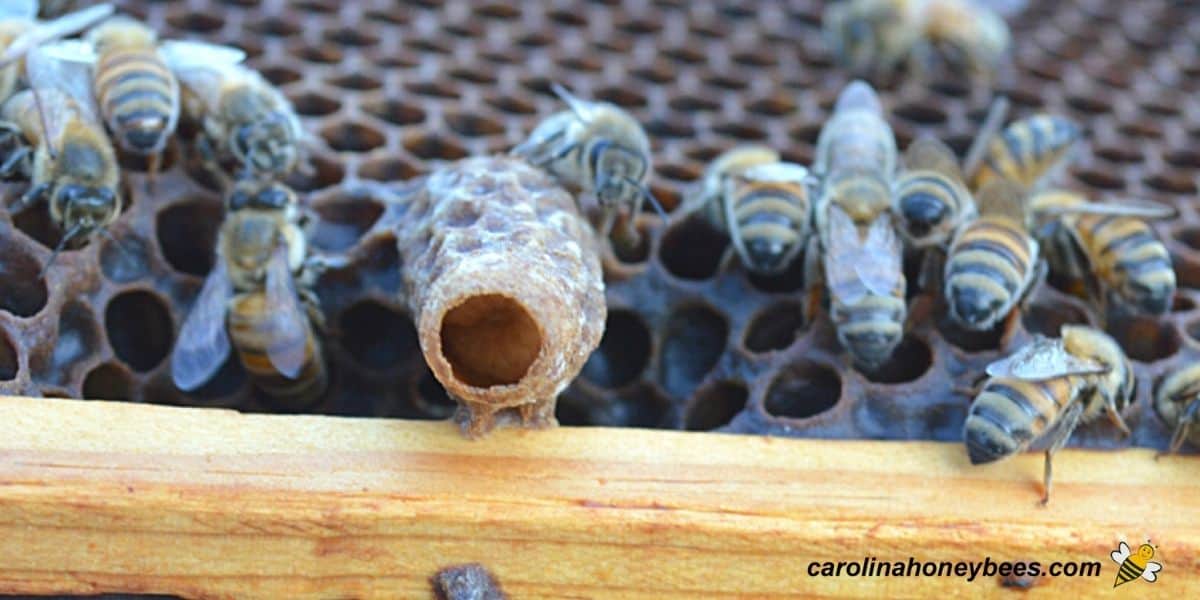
x=791, y=279
x=693, y=340
x=24, y=292
x=638, y=406
x=775, y=327
x=669, y=128
x=581, y=64
x=803, y=390
x=473, y=124
x=921, y=113
x=344, y=220
x=388, y=169
x=638, y=251
x=510, y=104
x=623, y=353
x=692, y=249
x=187, y=234
x=108, y=381
x=78, y=337
x=969, y=340
x=314, y=104
x=9, y=359
x=196, y=22
x=741, y=130
x=476, y=76
x=690, y=103
x=380, y=266
x=775, y=105
x=395, y=112
x=1102, y=180
x=280, y=75
x=1186, y=158
x=322, y=172
x=1189, y=236
x=715, y=406
x=377, y=337
x=316, y=6
x=1090, y=105
x=498, y=10
x=320, y=54
x=139, y=329
x=277, y=26
x=621, y=96
x=350, y=136
x=432, y=146
x=1118, y=154
x=352, y=36
x=910, y=360
x=1145, y=339
x=1182, y=303
x=356, y=82
x=432, y=399
x=35, y=222
x=1047, y=318
x=1172, y=182
x=1193, y=330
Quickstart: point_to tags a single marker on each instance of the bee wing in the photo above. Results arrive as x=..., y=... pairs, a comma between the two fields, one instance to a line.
x=1044, y=358
x=202, y=67
x=54, y=29
x=19, y=9
x=1004, y=8
x=1121, y=553
x=1151, y=572
x=63, y=89
x=203, y=343
x=779, y=172
x=286, y=321
x=77, y=51
x=878, y=261
x=1143, y=209
x=546, y=141
x=841, y=254
x=928, y=153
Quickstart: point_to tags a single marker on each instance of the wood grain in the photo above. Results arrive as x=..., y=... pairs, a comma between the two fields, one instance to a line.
x=105, y=497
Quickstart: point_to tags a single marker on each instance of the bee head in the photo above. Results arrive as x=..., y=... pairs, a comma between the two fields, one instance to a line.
x=618, y=172
x=265, y=145
x=86, y=206
x=249, y=193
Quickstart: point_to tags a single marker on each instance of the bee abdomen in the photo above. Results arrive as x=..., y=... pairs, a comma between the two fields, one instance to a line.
x=871, y=329
x=987, y=269
x=252, y=336
x=772, y=223
x=926, y=200
x=1009, y=414
x=1135, y=261
x=137, y=95
x=1028, y=149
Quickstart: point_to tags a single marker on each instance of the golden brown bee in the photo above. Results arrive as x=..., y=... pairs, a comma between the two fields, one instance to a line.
x=873, y=37
x=250, y=301
x=137, y=91
x=598, y=148
x=243, y=118
x=861, y=266
x=74, y=166
x=19, y=33
x=762, y=202
x=992, y=262
x=1109, y=247
x=931, y=199
x=1042, y=391
x=1177, y=400
x=1029, y=151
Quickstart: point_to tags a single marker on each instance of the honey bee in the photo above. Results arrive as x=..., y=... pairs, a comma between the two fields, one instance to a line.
x=931, y=199
x=866, y=283
x=1109, y=247
x=762, y=202
x=250, y=301
x=1177, y=400
x=137, y=91
x=1030, y=151
x=1133, y=566
x=1043, y=391
x=243, y=118
x=74, y=166
x=992, y=262
x=856, y=156
x=19, y=33
x=599, y=148
x=874, y=37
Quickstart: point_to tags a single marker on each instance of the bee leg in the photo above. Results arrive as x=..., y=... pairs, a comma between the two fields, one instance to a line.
x=610, y=219
x=991, y=126
x=154, y=164
x=933, y=264
x=814, y=280
x=312, y=306
x=1058, y=438
x=18, y=164
x=1182, y=429
x=1110, y=407
x=32, y=196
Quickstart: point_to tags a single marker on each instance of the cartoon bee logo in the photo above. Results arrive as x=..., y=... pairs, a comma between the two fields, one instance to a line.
x=1135, y=564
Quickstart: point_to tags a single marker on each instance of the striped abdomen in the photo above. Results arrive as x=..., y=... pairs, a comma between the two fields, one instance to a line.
x=1128, y=571
x=930, y=204
x=771, y=223
x=138, y=96
x=250, y=334
x=1128, y=257
x=1027, y=150
x=989, y=267
x=1010, y=413
x=872, y=328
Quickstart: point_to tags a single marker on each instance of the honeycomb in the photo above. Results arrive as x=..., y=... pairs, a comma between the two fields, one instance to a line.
x=392, y=90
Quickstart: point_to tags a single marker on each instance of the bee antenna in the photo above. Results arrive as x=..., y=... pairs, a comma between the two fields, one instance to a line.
x=992, y=124
x=45, y=121
x=648, y=195
x=59, y=248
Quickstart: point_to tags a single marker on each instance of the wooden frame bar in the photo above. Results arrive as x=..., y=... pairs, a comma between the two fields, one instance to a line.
x=110, y=497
